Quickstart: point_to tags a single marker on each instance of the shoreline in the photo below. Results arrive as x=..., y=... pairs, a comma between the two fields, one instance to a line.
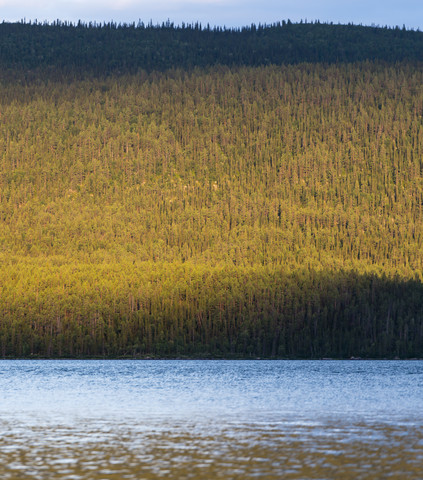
x=210, y=358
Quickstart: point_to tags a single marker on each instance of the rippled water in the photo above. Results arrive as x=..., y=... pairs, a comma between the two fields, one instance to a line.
x=211, y=419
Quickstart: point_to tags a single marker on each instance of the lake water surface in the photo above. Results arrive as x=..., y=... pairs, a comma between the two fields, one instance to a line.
x=137, y=420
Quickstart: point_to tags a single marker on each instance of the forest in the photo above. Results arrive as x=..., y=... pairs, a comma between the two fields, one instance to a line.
x=101, y=49
x=187, y=191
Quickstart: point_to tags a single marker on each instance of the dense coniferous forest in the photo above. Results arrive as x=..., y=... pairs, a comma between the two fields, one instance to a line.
x=189, y=191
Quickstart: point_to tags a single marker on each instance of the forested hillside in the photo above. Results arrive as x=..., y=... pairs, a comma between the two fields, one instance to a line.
x=158, y=199
x=101, y=49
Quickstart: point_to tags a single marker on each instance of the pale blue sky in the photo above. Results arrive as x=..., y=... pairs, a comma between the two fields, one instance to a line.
x=231, y=13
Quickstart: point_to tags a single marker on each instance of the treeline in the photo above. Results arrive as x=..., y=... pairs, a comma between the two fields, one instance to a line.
x=109, y=48
x=269, y=211
x=73, y=310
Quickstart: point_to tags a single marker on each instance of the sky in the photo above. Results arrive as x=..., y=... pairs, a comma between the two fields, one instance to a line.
x=230, y=13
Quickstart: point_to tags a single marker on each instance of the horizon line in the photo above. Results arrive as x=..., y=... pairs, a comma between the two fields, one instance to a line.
x=197, y=25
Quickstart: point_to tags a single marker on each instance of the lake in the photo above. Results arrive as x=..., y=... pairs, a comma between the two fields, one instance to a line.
x=186, y=419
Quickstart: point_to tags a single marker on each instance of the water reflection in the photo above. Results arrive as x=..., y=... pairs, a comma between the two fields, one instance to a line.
x=192, y=451
x=236, y=421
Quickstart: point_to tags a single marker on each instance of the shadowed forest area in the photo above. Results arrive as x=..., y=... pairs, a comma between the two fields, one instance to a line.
x=197, y=192
x=101, y=49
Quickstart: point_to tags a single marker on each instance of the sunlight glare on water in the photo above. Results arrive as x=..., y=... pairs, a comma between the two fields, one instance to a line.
x=211, y=419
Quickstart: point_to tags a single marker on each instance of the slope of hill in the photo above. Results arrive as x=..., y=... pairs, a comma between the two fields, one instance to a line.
x=102, y=49
x=232, y=206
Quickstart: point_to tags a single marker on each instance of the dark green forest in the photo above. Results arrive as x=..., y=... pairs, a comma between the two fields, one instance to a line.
x=187, y=191
x=81, y=50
